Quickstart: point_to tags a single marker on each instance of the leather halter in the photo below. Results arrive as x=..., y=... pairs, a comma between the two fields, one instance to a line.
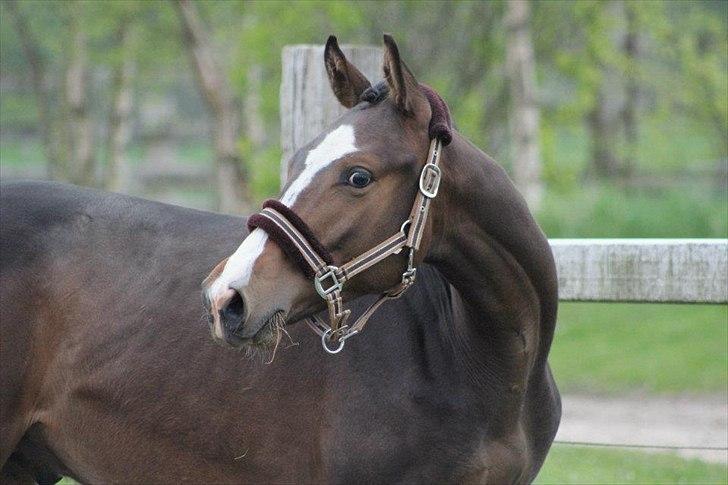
x=299, y=243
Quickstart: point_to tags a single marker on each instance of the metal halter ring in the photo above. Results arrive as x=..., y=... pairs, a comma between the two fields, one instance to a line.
x=325, y=338
x=404, y=225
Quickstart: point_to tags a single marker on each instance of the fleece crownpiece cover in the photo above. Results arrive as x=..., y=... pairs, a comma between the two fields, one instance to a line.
x=440, y=122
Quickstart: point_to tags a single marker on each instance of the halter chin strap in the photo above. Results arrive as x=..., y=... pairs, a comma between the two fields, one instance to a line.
x=299, y=243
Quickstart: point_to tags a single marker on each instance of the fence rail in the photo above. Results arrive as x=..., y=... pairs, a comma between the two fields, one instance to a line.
x=642, y=270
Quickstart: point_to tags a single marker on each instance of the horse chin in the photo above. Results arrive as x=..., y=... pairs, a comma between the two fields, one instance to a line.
x=266, y=341
x=270, y=333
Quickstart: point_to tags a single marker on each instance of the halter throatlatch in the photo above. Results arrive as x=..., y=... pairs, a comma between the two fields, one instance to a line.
x=300, y=244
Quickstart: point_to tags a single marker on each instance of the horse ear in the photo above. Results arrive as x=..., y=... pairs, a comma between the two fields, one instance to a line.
x=346, y=81
x=403, y=87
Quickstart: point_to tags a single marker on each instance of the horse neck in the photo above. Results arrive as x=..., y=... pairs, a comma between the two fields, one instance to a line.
x=494, y=254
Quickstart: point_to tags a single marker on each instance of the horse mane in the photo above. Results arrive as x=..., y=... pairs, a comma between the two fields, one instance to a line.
x=440, y=122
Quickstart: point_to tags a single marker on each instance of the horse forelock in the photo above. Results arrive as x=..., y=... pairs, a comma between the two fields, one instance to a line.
x=440, y=125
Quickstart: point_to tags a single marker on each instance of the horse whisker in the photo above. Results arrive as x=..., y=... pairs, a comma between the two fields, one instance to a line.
x=278, y=341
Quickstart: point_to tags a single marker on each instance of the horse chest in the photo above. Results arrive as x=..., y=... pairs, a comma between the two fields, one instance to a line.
x=407, y=432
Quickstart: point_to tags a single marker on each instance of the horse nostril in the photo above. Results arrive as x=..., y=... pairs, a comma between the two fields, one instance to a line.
x=232, y=314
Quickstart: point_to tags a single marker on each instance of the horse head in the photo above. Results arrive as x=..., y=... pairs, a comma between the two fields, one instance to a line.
x=349, y=189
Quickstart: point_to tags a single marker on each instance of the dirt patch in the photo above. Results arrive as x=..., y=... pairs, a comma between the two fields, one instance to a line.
x=682, y=421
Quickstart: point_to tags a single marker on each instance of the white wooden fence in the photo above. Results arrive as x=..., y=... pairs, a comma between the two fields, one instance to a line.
x=644, y=270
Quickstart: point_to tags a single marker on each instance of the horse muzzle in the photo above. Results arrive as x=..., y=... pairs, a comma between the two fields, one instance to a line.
x=228, y=314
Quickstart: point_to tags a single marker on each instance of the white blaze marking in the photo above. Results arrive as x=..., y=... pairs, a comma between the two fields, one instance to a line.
x=239, y=266
x=335, y=145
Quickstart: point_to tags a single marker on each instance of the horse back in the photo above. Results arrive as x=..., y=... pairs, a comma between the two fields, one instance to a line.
x=72, y=262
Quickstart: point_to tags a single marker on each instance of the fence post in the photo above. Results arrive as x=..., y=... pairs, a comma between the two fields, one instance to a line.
x=307, y=104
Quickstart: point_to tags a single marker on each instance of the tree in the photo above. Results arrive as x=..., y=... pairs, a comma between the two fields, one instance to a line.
x=224, y=106
x=38, y=74
x=524, y=114
x=117, y=170
x=83, y=152
x=631, y=47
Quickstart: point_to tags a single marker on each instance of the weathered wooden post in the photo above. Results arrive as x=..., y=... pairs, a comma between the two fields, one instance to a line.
x=307, y=104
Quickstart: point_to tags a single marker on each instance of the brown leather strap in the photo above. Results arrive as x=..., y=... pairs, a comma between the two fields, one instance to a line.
x=379, y=252
x=429, y=184
x=321, y=328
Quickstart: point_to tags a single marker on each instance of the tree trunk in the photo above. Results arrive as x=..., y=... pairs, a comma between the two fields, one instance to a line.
x=32, y=52
x=524, y=117
x=254, y=123
x=604, y=161
x=233, y=195
x=83, y=158
x=117, y=175
x=631, y=102
x=604, y=119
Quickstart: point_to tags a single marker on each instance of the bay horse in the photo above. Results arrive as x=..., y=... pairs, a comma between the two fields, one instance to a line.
x=107, y=374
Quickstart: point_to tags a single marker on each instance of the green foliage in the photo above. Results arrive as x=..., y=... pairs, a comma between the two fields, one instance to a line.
x=654, y=348
x=264, y=170
x=578, y=465
x=694, y=44
x=17, y=112
x=682, y=72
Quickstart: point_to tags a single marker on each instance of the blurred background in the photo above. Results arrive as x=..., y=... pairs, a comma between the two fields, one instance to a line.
x=611, y=116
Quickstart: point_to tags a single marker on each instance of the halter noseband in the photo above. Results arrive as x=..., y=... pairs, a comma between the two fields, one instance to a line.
x=300, y=244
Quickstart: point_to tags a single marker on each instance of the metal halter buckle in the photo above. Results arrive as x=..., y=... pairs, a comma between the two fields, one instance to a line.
x=408, y=277
x=430, y=180
x=318, y=282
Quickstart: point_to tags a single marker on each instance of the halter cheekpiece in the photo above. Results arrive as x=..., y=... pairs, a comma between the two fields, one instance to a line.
x=300, y=244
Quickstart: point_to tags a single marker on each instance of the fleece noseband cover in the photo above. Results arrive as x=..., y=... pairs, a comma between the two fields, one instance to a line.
x=282, y=239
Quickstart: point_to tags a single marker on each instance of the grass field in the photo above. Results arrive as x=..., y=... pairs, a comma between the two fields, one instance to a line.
x=576, y=465
x=618, y=348
x=600, y=210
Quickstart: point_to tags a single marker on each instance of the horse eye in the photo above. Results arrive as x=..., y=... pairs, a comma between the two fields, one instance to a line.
x=359, y=178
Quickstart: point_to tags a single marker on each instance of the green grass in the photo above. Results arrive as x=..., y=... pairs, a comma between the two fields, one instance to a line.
x=664, y=144
x=653, y=348
x=565, y=465
x=604, y=211
x=18, y=152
